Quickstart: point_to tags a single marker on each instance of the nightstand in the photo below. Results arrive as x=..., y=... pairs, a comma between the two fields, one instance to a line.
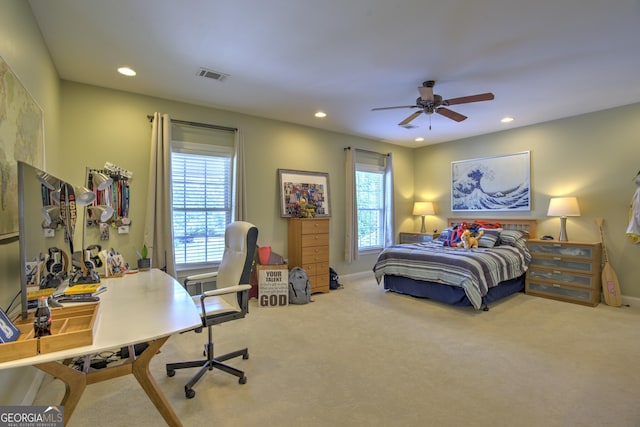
x=417, y=237
x=565, y=271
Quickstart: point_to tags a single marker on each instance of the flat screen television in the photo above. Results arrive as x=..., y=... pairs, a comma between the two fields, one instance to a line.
x=41, y=233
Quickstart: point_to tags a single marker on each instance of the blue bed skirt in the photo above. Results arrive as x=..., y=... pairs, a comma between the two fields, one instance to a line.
x=451, y=295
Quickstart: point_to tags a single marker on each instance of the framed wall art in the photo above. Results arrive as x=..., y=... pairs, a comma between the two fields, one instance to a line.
x=499, y=183
x=22, y=134
x=307, y=189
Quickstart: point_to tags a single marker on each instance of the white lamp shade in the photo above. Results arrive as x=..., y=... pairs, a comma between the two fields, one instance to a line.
x=563, y=206
x=49, y=181
x=423, y=208
x=51, y=213
x=84, y=196
x=55, y=196
x=101, y=181
x=105, y=212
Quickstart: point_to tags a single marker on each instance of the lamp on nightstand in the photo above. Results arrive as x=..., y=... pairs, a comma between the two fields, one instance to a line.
x=423, y=208
x=563, y=207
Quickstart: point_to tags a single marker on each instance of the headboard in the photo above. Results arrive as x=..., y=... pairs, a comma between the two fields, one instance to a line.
x=526, y=225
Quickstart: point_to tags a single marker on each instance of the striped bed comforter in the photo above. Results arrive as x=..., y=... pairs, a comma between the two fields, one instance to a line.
x=475, y=270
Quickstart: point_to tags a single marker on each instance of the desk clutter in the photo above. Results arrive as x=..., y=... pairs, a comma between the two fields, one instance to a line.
x=71, y=326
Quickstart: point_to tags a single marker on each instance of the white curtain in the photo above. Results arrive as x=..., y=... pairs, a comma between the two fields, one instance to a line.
x=351, y=205
x=389, y=203
x=158, y=231
x=240, y=190
x=351, y=208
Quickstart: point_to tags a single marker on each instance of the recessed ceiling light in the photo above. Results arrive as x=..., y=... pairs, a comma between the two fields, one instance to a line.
x=419, y=139
x=126, y=71
x=506, y=119
x=320, y=114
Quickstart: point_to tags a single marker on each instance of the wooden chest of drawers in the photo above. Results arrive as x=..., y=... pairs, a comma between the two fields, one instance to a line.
x=565, y=271
x=406, y=237
x=309, y=249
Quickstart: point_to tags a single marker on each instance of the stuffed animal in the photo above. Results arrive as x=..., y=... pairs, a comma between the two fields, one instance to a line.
x=469, y=240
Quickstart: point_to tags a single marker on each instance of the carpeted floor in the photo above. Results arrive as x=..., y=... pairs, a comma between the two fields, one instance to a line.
x=362, y=357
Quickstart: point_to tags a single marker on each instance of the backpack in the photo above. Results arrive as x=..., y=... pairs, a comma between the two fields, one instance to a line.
x=299, y=289
x=334, y=280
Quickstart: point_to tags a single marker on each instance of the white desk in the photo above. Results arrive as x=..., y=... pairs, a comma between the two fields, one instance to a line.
x=144, y=307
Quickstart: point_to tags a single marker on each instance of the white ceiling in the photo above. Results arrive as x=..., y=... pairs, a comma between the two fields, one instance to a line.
x=543, y=59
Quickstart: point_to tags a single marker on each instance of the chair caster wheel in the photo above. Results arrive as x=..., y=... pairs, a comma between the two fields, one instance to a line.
x=190, y=393
x=170, y=372
x=245, y=356
x=243, y=380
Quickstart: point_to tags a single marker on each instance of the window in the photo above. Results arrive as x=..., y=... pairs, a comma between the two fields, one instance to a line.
x=202, y=185
x=370, y=202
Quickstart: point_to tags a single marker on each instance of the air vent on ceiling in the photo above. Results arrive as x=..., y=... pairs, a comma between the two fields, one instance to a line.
x=211, y=74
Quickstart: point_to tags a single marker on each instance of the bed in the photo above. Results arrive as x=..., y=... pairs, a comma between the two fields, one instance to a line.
x=458, y=276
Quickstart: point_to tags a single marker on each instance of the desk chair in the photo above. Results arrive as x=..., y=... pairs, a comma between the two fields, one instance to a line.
x=232, y=278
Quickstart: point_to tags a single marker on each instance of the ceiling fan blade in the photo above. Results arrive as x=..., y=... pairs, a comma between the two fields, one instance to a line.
x=410, y=118
x=471, y=98
x=426, y=93
x=392, y=108
x=451, y=114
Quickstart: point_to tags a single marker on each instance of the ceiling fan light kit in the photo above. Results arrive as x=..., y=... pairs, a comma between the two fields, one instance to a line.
x=430, y=103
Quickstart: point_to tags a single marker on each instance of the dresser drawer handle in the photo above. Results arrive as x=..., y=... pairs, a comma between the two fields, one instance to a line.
x=555, y=285
x=557, y=259
x=557, y=272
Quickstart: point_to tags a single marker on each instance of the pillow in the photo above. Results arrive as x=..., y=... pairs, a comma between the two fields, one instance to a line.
x=489, y=238
x=445, y=234
x=511, y=237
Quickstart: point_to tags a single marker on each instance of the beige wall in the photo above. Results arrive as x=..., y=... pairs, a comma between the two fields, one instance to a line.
x=593, y=157
x=22, y=47
x=100, y=125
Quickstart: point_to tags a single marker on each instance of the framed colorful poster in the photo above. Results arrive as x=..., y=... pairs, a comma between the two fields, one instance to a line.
x=306, y=190
x=499, y=183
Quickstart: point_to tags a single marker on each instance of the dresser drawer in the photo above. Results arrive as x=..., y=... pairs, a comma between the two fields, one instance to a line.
x=556, y=291
x=311, y=268
x=319, y=283
x=563, y=264
x=312, y=226
x=555, y=276
x=315, y=254
x=562, y=250
x=307, y=240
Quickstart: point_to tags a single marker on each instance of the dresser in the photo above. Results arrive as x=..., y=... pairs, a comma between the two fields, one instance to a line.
x=405, y=237
x=565, y=271
x=309, y=249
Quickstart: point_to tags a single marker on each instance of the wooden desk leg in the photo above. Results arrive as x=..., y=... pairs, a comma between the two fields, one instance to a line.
x=75, y=382
x=142, y=374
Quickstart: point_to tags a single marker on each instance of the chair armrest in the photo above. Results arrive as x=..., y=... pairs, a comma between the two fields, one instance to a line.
x=225, y=291
x=201, y=277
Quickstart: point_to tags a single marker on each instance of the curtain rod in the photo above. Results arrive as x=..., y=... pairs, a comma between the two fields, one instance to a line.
x=367, y=151
x=199, y=125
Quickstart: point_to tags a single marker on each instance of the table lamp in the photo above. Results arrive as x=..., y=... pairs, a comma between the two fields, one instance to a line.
x=423, y=208
x=563, y=207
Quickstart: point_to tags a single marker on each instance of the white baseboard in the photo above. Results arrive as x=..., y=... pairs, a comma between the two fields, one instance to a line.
x=357, y=276
x=33, y=388
x=632, y=301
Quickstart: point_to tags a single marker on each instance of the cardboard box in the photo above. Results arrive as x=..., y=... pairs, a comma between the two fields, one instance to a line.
x=273, y=285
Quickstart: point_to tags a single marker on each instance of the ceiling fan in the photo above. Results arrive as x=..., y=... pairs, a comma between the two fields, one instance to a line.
x=430, y=103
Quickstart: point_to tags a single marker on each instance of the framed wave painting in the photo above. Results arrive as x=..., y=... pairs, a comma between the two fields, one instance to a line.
x=500, y=183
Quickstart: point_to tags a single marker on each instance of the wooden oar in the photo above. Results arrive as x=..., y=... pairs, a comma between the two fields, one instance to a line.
x=610, y=284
